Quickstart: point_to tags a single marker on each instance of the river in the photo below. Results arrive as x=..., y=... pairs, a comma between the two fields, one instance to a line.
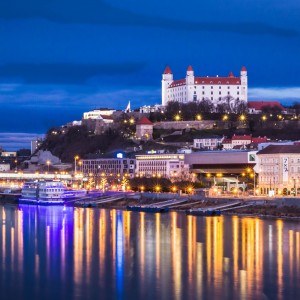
x=76, y=253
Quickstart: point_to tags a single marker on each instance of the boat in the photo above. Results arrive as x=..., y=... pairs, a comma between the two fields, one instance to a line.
x=151, y=209
x=204, y=212
x=43, y=192
x=48, y=192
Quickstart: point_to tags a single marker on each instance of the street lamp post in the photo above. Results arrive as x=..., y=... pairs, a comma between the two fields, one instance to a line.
x=48, y=164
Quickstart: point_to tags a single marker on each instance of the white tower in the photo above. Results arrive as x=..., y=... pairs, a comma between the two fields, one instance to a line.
x=167, y=79
x=244, y=84
x=190, y=81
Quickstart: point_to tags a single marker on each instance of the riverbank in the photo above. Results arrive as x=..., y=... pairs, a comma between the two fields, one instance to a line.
x=258, y=208
x=287, y=208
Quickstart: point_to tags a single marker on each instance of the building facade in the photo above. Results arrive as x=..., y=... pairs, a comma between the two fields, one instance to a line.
x=278, y=170
x=170, y=166
x=217, y=89
x=144, y=129
x=108, y=166
x=208, y=143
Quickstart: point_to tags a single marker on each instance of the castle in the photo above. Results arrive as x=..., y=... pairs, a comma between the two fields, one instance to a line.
x=218, y=90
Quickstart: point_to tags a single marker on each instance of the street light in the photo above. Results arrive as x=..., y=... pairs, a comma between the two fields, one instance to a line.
x=48, y=164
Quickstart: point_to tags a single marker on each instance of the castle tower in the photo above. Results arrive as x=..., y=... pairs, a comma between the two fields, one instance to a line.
x=167, y=79
x=244, y=85
x=190, y=80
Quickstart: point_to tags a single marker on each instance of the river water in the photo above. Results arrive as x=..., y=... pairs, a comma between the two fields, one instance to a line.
x=76, y=253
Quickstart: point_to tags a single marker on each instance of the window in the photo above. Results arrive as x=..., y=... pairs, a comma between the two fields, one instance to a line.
x=228, y=93
x=211, y=98
x=211, y=87
x=228, y=87
x=211, y=93
x=203, y=93
x=251, y=157
x=219, y=93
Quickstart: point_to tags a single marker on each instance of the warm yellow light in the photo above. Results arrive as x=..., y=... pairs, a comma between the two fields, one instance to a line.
x=242, y=117
x=225, y=117
x=199, y=117
x=264, y=118
x=208, y=175
x=177, y=117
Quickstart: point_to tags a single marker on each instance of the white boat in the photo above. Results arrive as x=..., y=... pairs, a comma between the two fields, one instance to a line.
x=43, y=192
x=48, y=192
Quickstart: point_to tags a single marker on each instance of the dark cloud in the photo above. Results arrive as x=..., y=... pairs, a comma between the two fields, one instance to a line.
x=65, y=73
x=100, y=12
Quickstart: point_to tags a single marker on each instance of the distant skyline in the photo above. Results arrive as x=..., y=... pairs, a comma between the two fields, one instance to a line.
x=61, y=58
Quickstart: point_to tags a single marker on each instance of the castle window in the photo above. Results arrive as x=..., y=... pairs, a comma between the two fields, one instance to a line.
x=238, y=93
x=211, y=98
x=219, y=93
x=219, y=87
x=219, y=98
x=211, y=93
x=203, y=87
x=228, y=93
x=228, y=87
x=237, y=98
x=203, y=93
x=211, y=87
x=238, y=87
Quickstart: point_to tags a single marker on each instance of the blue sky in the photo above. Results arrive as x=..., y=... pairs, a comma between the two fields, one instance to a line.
x=60, y=58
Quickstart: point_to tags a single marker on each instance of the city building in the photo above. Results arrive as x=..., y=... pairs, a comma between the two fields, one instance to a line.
x=100, y=113
x=208, y=143
x=147, y=109
x=170, y=166
x=224, y=168
x=108, y=166
x=256, y=107
x=217, y=89
x=144, y=129
x=278, y=169
x=239, y=140
x=35, y=144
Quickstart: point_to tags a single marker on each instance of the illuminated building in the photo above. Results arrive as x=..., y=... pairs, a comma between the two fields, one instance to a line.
x=215, y=89
x=164, y=165
x=278, y=169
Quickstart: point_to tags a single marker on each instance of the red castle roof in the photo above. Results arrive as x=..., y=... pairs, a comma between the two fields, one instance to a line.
x=168, y=70
x=244, y=68
x=190, y=68
x=144, y=121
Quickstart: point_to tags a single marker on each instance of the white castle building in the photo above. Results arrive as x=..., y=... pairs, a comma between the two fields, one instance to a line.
x=216, y=89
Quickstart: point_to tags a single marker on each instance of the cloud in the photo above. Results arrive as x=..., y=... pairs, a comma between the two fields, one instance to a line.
x=12, y=141
x=284, y=94
x=64, y=73
x=100, y=12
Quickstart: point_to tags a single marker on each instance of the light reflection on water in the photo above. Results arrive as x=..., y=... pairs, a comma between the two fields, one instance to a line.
x=52, y=253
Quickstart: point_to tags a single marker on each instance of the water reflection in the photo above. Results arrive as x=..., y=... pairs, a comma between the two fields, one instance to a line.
x=56, y=253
